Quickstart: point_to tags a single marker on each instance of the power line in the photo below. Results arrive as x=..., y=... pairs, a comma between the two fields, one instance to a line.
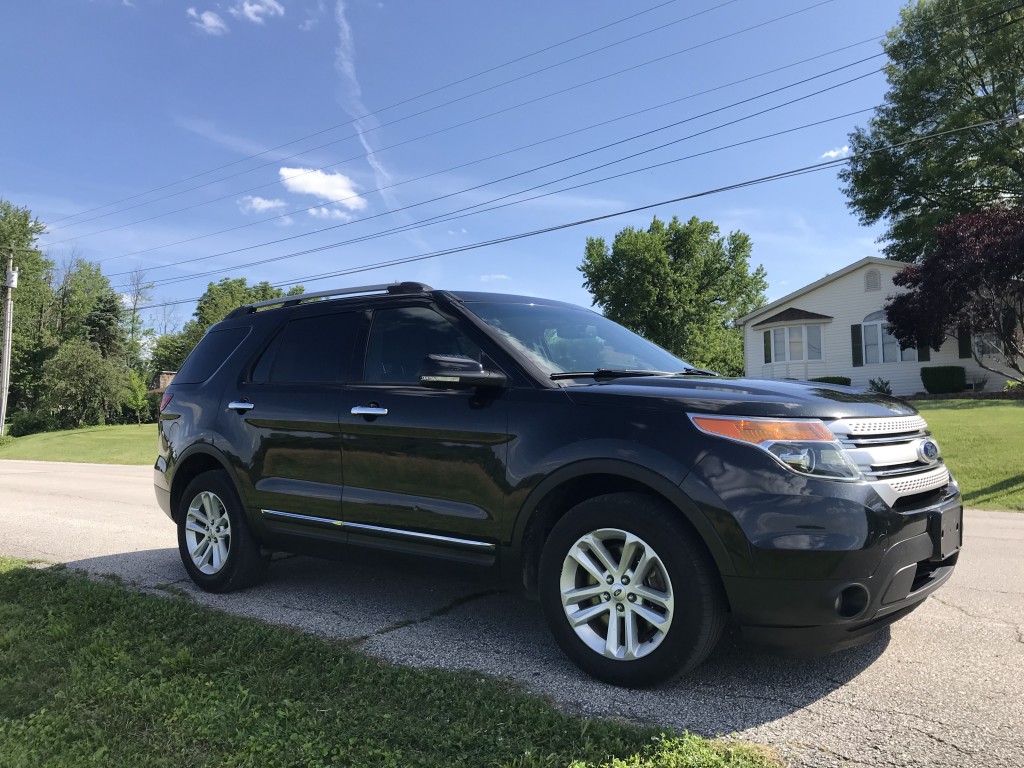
x=488, y=157
x=816, y=167
x=462, y=212
x=434, y=219
x=573, y=157
x=431, y=109
x=378, y=111
x=415, y=114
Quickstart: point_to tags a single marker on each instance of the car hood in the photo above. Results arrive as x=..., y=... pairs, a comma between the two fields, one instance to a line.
x=741, y=397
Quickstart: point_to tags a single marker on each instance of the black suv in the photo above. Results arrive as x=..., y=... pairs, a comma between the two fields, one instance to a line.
x=643, y=500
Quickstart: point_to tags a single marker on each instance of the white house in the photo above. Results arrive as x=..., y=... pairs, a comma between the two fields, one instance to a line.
x=836, y=327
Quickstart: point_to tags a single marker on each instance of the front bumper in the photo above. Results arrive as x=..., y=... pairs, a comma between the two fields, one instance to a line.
x=824, y=615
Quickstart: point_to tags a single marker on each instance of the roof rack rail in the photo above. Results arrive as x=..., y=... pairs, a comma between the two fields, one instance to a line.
x=289, y=301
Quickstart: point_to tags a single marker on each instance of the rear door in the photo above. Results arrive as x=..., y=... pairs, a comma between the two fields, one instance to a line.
x=282, y=417
x=425, y=469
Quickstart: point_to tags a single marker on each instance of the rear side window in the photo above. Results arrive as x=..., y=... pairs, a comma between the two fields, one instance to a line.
x=212, y=350
x=313, y=349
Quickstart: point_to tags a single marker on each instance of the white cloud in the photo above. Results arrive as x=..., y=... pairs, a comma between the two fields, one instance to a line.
x=254, y=204
x=334, y=187
x=323, y=212
x=313, y=16
x=208, y=21
x=457, y=231
x=256, y=10
x=492, y=278
x=835, y=154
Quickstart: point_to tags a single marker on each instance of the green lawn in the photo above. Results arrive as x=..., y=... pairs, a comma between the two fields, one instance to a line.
x=97, y=675
x=981, y=441
x=122, y=444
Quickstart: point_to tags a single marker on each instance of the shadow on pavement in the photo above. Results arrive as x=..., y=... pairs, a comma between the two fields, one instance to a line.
x=429, y=614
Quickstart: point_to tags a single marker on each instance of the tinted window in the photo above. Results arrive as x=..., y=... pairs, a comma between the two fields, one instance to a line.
x=310, y=349
x=401, y=338
x=212, y=350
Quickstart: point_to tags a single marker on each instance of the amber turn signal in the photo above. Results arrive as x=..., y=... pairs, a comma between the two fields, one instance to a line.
x=759, y=431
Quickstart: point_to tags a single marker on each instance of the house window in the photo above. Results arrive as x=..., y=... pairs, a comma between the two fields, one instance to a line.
x=793, y=343
x=872, y=280
x=987, y=345
x=880, y=346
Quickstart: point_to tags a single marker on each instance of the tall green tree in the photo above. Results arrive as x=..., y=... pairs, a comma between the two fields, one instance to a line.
x=83, y=387
x=103, y=325
x=170, y=350
x=952, y=64
x=683, y=286
x=80, y=286
x=31, y=341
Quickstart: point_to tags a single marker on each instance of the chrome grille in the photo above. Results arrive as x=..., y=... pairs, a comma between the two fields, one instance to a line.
x=885, y=450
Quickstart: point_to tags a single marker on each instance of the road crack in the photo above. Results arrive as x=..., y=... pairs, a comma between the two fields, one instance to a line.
x=458, y=602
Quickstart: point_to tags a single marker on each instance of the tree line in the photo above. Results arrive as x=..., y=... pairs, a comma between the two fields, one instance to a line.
x=82, y=353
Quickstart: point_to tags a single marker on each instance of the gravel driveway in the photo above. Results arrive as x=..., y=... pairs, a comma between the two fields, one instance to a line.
x=941, y=688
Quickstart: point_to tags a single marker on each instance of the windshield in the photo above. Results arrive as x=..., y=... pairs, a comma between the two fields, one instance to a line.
x=562, y=339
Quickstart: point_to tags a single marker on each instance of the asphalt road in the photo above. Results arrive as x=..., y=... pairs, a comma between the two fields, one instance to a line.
x=941, y=688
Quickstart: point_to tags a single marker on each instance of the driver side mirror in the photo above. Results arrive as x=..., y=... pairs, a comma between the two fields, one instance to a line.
x=457, y=372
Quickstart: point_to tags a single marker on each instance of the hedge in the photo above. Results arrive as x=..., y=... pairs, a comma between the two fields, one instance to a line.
x=941, y=379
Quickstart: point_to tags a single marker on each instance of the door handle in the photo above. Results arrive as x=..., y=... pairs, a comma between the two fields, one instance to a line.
x=240, y=406
x=369, y=410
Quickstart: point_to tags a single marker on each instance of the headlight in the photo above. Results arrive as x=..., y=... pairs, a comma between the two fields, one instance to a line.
x=804, y=446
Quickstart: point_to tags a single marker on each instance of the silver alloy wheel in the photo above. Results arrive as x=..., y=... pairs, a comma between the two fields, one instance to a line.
x=208, y=533
x=616, y=594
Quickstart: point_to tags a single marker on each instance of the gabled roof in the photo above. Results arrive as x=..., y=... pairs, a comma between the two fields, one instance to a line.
x=791, y=315
x=824, y=281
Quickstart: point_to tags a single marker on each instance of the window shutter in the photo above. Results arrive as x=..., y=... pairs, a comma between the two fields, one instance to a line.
x=767, y=346
x=963, y=338
x=857, y=343
x=924, y=352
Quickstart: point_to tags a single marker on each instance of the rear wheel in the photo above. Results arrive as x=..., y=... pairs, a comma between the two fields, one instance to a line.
x=214, y=541
x=630, y=595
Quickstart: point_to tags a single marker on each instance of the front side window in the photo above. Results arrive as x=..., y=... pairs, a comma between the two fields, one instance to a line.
x=794, y=343
x=401, y=338
x=880, y=346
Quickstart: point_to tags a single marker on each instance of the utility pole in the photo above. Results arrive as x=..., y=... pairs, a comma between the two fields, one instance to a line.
x=10, y=283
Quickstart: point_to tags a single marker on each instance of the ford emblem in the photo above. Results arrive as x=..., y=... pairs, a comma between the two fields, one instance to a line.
x=928, y=451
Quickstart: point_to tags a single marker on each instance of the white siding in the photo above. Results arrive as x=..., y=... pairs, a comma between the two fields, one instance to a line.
x=846, y=301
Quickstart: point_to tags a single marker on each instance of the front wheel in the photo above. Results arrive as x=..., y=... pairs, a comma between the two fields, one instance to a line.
x=214, y=541
x=628, y=592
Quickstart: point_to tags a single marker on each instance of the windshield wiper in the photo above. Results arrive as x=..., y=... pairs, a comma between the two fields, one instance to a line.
x=606, y=373
x=696, y=372
x=613, y=373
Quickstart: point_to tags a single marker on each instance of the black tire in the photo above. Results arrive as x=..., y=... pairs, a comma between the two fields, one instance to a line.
x=234, y=558
x=681, y=581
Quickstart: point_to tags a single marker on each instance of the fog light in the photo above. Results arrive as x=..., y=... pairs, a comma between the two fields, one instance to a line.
x=852, y=601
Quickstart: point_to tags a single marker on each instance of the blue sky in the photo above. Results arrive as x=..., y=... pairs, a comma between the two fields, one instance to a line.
x=109, y=99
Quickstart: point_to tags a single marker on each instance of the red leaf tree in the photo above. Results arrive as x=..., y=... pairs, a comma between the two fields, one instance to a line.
x=973, y=278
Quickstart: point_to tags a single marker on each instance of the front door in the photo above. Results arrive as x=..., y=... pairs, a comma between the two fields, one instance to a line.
x=424, y=468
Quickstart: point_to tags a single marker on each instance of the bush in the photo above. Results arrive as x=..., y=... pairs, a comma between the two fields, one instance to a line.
x=30, y=422
x=1012, y=385
x=879, y=385
x=943, y=379
x=844, y=380
x=6, y=439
